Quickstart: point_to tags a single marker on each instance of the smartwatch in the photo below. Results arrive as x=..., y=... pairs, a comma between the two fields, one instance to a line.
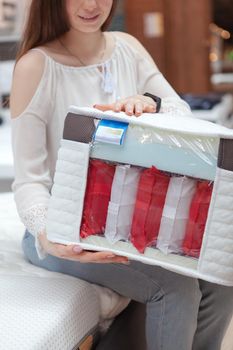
x=156, y=99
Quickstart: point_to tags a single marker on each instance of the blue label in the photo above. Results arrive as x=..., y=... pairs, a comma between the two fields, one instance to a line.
x=111, y=131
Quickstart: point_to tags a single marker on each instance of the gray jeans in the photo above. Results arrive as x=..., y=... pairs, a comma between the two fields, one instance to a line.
x=182, y=313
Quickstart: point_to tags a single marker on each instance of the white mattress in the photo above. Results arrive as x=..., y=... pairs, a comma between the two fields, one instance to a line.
x=215, y=263
x=40, y=309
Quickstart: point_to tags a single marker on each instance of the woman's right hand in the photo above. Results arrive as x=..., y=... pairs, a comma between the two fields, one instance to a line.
x=76, y=253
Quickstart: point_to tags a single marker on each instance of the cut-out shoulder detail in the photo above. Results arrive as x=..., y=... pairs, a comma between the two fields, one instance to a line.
x=31, y=60
x=26, y=79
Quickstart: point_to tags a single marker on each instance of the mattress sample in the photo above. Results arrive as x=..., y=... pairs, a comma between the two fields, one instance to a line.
x=40, y=309
x=174, y=146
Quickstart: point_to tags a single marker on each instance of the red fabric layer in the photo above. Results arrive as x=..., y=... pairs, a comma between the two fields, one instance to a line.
x=152, y=190
x=197, y=219
x=97, y=197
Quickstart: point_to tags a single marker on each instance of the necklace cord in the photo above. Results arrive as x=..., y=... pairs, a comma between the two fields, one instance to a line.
x=108, y=84
x=78, y=58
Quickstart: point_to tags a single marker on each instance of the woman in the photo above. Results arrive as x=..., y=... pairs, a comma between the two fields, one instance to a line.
x=67, y=58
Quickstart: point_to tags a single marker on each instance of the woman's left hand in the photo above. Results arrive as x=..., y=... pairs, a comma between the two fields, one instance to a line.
x=134, y=105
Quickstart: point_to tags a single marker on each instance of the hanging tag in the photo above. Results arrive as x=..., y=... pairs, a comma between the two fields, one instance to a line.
x=107, y=83
x=110, y=131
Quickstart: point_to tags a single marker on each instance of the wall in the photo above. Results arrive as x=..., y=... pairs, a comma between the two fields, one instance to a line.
x=182, y=52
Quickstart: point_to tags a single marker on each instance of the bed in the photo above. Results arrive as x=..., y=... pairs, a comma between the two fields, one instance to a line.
x=45, y=310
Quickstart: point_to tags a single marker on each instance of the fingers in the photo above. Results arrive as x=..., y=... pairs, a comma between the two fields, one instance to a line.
x=119, y=106
x=76, y=253
x=116, y=107
x=150, y=108
x=135, y=105
x=101, y=258
x=103, y=108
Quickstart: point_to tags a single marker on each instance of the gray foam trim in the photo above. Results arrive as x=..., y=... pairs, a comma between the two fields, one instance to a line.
x=78, y=128
x=225, y=154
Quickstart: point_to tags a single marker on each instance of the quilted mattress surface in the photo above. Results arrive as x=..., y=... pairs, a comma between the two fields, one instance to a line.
x=40, y=309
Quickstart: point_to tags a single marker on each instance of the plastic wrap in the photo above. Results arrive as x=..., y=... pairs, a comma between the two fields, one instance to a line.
x=204, y=148
x=145, y=207
x=197, y=219
x=185, y=154
x=148, y=208
x=98, y=191
x=175, y=214
x=121, y=205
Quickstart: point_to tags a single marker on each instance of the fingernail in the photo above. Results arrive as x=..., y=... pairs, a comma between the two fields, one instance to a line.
x=110, y=256
x=129, y=108
x=77, y=249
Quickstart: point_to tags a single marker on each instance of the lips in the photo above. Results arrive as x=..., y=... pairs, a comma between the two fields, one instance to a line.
x=89, y=18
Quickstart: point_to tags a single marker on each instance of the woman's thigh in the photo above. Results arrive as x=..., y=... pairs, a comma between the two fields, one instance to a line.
x=141, y=282
x=215, y=314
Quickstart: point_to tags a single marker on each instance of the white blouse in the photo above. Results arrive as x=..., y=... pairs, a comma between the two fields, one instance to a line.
x=37, y=131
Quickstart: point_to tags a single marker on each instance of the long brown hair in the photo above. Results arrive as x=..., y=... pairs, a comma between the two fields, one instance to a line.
x=47, y=20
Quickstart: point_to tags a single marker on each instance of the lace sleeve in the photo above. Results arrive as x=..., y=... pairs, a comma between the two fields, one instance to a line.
x=33, y=179
x=176, y=106
x=34, y=220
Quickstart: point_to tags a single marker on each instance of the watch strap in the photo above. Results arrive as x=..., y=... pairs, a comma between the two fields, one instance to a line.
x=157, y=100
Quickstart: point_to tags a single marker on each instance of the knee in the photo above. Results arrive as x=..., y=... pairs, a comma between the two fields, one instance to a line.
x=218, y=297
x=179, y=292
x=183, y=288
